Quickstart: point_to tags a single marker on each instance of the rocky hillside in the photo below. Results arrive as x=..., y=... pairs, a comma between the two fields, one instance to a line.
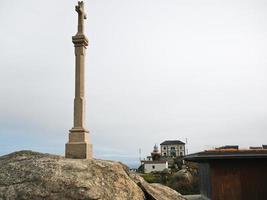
x=31, y=175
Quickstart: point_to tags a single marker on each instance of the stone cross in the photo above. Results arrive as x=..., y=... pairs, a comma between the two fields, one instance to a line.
x=78, y=145
x=81, y=16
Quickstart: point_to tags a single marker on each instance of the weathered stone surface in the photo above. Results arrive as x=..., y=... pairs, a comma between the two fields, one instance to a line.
x=30, y=175
x=183, y=175
x=155, y=191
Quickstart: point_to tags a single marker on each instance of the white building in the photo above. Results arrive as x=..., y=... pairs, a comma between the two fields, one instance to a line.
x=172, y=148
x=154, y=166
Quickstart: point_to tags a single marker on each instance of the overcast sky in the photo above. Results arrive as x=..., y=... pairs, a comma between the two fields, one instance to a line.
x=155, y=70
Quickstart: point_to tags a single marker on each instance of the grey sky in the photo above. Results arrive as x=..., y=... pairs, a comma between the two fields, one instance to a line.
x=155, y=70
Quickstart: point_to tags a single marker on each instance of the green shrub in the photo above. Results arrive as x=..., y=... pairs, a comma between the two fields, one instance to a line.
x=152, y=178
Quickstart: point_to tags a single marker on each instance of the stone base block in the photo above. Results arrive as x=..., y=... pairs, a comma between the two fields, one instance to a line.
x=79, y=150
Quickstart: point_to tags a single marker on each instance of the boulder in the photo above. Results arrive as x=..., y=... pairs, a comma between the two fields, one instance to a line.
x=36, y=176
x=183, y=175
x=30, y=175
x=155, y=191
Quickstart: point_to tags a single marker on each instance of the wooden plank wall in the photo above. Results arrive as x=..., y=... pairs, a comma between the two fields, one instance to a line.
x=205, y=181
x=238, y=179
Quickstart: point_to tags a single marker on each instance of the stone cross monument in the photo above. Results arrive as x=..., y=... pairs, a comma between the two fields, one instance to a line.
x=78, y=145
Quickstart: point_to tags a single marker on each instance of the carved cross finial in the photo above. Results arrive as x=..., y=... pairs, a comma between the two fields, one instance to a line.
x=81, y=16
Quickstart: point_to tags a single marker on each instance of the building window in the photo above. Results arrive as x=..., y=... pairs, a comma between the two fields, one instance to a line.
x=173, y=154
x=153, y=166
x=173, y=151
x=165, y=154
x=181, y=147
x=164, y=148
x=181, y=153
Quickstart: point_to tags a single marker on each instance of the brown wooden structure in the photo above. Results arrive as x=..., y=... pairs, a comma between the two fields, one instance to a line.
x=231, y=174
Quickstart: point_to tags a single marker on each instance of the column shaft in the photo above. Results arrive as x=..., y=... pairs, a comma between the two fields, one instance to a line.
x=79, y=101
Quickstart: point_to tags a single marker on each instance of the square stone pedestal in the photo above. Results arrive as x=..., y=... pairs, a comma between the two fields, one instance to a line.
x=78, y=146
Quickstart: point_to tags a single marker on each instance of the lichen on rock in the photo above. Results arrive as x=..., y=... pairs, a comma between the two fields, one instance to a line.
x=36, y=176
x=32, y=175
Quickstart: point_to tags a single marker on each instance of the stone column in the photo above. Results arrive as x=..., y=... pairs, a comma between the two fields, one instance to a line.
x=78, y=145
